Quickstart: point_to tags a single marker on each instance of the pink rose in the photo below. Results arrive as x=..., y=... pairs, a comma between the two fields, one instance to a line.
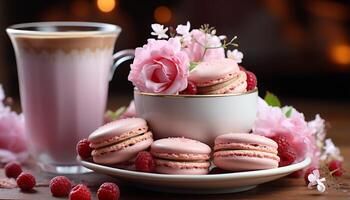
x=195, y=47
x=160, y=67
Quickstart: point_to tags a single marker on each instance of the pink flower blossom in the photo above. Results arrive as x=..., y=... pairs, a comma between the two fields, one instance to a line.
x=160, y=66
x=195, y=48
x=13, y=144
x=272, y=121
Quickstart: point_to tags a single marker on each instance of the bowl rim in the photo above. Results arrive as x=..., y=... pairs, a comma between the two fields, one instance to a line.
x=136, y=91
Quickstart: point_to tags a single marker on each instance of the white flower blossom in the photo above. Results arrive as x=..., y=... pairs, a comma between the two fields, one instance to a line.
x=222, y=37
x=159, y=31
x=235, y=55
x=319, y=128
x=331, y=151
x=183, y=29
x=314, y=179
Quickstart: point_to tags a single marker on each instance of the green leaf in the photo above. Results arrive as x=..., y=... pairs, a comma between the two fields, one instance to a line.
x=193, y=65
x=116, y=114
x=289, y=112
x=272, y=100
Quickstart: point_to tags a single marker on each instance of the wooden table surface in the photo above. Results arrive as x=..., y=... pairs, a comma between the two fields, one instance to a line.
x=285, y=188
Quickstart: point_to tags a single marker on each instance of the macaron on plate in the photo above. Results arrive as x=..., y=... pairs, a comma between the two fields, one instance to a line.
x=197, y=184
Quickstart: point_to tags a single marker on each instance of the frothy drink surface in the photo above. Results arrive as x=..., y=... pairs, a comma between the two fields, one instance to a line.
x=64, y=84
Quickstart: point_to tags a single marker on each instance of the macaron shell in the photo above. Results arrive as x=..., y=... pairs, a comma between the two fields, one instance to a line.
x=117, y=128
x=213, y=71
x=238, y=160
x=186, y=168
x=180, y=146
x=245, y=138
x=123, y=151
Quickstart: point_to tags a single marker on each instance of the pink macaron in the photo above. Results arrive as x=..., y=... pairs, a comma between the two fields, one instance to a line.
x=243, y=151
x=221, y=76
x=120, y=141
x=181, y=156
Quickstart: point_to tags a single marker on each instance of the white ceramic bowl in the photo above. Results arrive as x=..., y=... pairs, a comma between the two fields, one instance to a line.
x=200, y=117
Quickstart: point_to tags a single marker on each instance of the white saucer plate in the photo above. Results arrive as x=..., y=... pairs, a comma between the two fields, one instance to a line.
x=198, y=184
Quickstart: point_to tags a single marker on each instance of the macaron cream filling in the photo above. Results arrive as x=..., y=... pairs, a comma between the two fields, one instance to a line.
x=246, y=153
x=122, y=144
x=245, y=146
x=183, y=164
x=230, y=85
x=181, y=156
x=116, y=139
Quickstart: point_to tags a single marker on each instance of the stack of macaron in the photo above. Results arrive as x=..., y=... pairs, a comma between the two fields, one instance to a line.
x=118, y=143
x=222, y=76
x=242, y=152
x=181, y=156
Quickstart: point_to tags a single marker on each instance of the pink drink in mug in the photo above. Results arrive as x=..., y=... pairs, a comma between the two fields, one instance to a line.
x=64, y=69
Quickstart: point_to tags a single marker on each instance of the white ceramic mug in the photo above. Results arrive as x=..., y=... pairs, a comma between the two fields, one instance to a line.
x=200, y=117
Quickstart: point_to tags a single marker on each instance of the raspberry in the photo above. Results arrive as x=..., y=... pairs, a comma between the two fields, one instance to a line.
x=335, y=165
x=191, y=89
x=13, y=169
x=60, y=186
x=285, y=151
x=83, y=149
x=108, y=191
x=251, y=80
x=307, y=172
x=26, y=181
x=144, y=162
x=80, y=192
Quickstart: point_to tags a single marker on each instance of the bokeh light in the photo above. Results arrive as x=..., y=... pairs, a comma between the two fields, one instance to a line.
x=162, y=14
x=340, y=54
x=106, y=5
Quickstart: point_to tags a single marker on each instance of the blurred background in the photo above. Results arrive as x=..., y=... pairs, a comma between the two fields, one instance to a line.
x=299, y=49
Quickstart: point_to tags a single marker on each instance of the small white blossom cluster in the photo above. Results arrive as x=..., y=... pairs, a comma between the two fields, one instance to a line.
x=183, y=31
x=328, y=152
x=315, y=180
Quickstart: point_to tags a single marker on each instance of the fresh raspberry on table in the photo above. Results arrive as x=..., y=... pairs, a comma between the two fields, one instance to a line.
x=285, y=151
x=307, y=172
x=251, y=80
x=26, y=181
x=60, y=186
x=108, y=191
x=83, y=149
x=80, y=192
x=335, y=166
x=191, y=89
x=144, y=162
x=13, y=169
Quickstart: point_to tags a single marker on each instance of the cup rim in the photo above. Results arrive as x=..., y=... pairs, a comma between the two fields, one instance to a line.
x=136, y=91
x=102, y=28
